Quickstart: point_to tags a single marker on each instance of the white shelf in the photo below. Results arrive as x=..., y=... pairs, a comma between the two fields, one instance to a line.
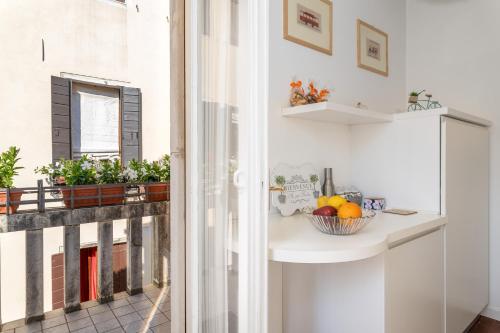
x=336, y=113
x=444, y=111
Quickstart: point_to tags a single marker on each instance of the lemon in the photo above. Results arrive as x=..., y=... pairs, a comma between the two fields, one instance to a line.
x=336, y=201
x=322, y=201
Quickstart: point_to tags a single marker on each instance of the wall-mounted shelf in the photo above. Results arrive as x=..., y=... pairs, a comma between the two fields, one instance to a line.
x=444, y=111
x=336, y=113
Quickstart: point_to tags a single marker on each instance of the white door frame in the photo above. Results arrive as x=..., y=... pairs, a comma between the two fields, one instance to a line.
x=177, y=167
x=251, y=176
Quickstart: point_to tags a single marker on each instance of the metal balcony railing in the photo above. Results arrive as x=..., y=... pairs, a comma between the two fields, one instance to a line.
x=42, y=197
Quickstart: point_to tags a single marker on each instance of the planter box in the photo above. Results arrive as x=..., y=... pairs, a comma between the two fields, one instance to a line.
x=81, y=194
x=157, y=192
x=14, y=196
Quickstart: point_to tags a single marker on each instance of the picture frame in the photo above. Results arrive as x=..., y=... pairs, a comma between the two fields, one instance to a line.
x=372, y=48
x=309, y=23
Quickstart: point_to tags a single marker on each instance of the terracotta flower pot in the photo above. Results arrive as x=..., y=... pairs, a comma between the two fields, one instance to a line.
x=14, y=196
x=106, y=190
x=157, y=192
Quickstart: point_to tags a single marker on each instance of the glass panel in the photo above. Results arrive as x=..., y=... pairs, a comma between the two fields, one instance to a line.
x=217, y=116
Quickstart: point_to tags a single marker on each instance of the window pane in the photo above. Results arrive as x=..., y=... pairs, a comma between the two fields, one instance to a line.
x=95, y=121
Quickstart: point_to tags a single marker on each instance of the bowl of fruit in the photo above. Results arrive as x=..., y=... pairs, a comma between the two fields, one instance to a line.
x=337, y=216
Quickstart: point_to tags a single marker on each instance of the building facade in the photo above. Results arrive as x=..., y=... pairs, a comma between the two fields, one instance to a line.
x=102, y=47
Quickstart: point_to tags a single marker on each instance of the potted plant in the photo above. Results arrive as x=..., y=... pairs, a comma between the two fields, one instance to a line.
x=314, y=179
x=9, y=169
x=280, y=181
x=413, y=97
x=89, y=177
x=155, y=176
x=111, y=178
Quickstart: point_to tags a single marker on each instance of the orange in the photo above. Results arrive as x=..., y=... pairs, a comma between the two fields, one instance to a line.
x=349, y=210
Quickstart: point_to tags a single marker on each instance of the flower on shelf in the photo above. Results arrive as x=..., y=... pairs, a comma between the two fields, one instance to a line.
x=299, y=97
x=297, y=94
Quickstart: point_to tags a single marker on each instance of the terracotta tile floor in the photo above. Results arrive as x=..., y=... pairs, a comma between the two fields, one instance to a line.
x=148, y=312
x=486, y=325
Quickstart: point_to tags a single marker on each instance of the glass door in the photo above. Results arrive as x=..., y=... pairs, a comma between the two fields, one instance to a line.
x=227, y=212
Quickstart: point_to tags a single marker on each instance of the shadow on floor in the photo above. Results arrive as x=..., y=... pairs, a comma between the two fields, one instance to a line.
x=148, y=312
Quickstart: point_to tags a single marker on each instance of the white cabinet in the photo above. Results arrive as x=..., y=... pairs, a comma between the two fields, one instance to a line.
x=465, y=200
x=435, y=162
x=415, y=285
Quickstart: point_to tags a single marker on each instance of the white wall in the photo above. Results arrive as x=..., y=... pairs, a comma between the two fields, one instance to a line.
x=453, y=51
x=325, y=145
x=148, y=41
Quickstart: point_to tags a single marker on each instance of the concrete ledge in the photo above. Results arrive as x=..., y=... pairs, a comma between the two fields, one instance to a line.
x=66, y=217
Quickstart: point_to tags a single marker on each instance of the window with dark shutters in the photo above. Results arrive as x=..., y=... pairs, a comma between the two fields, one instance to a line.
x=131, y=109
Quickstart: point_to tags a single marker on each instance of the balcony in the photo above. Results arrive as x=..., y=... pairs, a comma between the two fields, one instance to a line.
x=137, y=309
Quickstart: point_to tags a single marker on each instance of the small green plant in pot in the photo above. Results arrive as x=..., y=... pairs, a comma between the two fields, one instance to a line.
x=111, y=178
x=8, y=170
x=155, y=176
x=314, y=179
x=413, y=97
x=281, y=181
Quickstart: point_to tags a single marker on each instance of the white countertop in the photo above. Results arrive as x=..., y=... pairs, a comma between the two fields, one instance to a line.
x=294, y=239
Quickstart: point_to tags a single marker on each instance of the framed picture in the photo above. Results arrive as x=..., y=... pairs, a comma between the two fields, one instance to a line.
x=373, y=49
x=309, y=23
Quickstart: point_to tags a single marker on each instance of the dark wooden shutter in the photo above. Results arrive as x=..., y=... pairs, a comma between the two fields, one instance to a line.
x=61, y=120
x=131, y=124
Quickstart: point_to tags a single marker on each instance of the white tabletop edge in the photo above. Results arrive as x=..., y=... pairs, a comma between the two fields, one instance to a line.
x=294, y=239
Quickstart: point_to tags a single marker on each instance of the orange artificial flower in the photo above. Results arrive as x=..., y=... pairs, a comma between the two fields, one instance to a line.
x=312, y=90
x=296, y=85
x=323, y=93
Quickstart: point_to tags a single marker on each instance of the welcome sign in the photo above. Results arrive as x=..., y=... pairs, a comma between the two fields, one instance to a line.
x=294, y=187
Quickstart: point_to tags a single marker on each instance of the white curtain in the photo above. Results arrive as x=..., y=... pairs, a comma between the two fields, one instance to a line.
x=218, y=149
x=95, y=121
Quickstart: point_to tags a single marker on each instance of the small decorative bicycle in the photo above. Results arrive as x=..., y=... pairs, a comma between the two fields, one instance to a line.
x=417, y=104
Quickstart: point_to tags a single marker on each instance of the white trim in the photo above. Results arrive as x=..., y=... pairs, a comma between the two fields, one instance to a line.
x=94, y=79
x=253, y=224
x=191, y=56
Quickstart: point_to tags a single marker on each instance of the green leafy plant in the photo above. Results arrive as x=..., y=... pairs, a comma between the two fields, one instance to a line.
x=164, y=171
x=8, y=167
x=149, y=172
x=53, y=172
x=71, y=172
x=109, y=172
x=414, y=93
x=79, y=172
